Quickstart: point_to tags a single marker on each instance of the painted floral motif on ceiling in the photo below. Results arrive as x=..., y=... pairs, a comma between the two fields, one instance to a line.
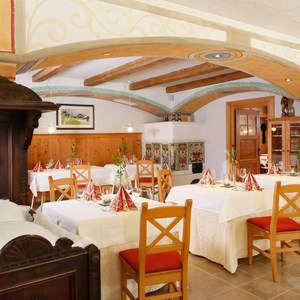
x=89, y=20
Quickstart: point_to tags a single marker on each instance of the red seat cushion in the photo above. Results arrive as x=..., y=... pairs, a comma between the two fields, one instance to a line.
x=147, y=179
x=157, y=262
x=284, y=224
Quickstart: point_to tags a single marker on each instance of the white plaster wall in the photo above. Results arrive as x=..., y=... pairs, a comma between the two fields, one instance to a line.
x=109, y=116
x=212, y=118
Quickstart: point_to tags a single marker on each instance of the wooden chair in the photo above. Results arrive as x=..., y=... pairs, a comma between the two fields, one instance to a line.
x=82, y=174
x=145, y=176
x=153, y=263
x=106, y=189
x=165, y=183
x=65, y=187
x=278, y=227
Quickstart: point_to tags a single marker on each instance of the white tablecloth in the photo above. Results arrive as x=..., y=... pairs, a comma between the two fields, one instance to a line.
x=270, y=180
x=218, y=223
x=38, y=181
x=110, y=232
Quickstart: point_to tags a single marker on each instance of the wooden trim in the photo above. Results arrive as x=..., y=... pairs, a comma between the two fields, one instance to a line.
x=207, y=81
x=268, y=101
x=204, y=68
x=137, y=65
x=76, y=134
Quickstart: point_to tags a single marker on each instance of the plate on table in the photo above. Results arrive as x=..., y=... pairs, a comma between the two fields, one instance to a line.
x=227, y=186
x=104, y=202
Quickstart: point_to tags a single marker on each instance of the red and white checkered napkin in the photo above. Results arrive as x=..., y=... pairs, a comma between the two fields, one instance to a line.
x=122, y=201
x=251, y=183
x=58, y=165
x=272, y=169
x=89, y=191
x=207, y=177
x=38, y=167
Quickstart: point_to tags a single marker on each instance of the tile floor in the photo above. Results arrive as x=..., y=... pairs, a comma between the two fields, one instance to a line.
x=210, y=281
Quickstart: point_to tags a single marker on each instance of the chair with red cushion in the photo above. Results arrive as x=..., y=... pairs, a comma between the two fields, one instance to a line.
x=155, y=262
x=165, y=183
x=145, y=177
x=82, y=174
x=281, y=226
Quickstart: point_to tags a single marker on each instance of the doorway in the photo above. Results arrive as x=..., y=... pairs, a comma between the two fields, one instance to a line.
x=247, y=131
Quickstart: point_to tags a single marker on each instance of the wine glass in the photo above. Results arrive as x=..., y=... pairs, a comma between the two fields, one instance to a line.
x=136, y=192
x=243, y=173
x=213, y=175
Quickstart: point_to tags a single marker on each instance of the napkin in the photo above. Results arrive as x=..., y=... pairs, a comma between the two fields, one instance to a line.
x=38, y=167
x=207, y=177
x=272, y=169
x=122, y=201
x=251, y=183
x=58, y=165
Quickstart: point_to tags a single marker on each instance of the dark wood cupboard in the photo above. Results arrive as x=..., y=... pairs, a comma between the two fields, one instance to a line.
x=20, y=110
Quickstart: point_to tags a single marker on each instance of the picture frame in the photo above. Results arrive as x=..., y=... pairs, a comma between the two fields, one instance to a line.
x=75, y=117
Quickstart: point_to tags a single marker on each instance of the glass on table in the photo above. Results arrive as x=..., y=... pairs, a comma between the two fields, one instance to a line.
x=136, y=192
x=243, y=173
x=50, y=164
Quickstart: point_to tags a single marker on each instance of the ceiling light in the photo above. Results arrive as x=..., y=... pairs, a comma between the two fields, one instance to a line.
x=288, y=79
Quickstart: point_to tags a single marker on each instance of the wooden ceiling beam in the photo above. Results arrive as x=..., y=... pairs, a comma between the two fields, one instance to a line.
x=128, y=68
x=47, y=73
x=176, y=75
x=207, y=81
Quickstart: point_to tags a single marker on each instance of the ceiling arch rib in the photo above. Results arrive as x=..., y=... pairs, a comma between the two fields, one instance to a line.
x=121, y=97
x=206, y=95
x=269, y=68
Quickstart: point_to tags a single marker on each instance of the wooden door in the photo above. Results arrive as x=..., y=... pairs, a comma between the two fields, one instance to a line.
x=247, y=139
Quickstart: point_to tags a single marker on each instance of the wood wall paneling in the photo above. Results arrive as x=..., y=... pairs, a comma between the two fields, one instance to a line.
x=95, y=148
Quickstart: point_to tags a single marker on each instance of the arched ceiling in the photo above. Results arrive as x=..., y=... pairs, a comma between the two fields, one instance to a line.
x=188, y=105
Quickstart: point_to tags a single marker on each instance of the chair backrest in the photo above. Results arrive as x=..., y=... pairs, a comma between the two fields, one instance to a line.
x=286, y=203
x=165, y=183
x=144, y=168
x=106, y=189
x=172, y=215
x=82, y=173
x=65, y=187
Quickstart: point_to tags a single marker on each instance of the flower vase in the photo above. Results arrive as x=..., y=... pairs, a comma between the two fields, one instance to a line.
x=298, y=165
x=234, y=174
x=121, y=179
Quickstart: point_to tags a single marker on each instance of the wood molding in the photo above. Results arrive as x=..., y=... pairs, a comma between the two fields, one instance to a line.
x=207, y=81
x=137, y=65
x=8, y=70
x=47, y=73
x=97, y=148
x=204, y=68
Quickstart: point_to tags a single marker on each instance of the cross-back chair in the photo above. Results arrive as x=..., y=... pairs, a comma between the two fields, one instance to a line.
x=155, y=262
x=280, y=227
x=165, y=183
x=82, y=174
x=63, y=188
x=145, y=176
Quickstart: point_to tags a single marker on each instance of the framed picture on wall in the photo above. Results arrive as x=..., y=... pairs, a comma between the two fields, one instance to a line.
x=182, y=156
x=70, y=116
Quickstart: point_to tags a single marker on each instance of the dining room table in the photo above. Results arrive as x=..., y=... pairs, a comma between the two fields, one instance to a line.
x=219, y=215
x=110, y=231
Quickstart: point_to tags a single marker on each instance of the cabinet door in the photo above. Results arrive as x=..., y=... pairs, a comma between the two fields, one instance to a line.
x=293, y=144
x=277, y=144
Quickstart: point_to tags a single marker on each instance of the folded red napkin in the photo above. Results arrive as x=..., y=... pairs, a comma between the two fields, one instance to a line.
x=58, y=165
x=272, y=169
x=38, y=167
x=89, y=192
x=207, y=177
x=122, y=201
x=251, y=183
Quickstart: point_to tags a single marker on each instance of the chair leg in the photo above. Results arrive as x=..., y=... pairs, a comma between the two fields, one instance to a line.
x=274, y=261
x=184, y=288
x=282, y=254
x=123, y=282
x=141, y=291
x=250, y=245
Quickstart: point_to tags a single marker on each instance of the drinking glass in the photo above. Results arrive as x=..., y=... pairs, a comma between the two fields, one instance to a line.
x=243, y=173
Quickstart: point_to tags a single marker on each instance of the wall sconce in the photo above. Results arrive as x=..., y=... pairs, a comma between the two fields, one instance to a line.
x=51, y=129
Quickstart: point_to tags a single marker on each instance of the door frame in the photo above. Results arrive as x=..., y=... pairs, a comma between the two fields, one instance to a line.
x=232, y=106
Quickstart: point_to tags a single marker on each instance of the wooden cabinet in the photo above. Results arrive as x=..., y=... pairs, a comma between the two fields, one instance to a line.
x=284, y=141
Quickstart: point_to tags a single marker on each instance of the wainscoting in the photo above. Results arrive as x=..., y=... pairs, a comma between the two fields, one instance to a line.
x=95, y=148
